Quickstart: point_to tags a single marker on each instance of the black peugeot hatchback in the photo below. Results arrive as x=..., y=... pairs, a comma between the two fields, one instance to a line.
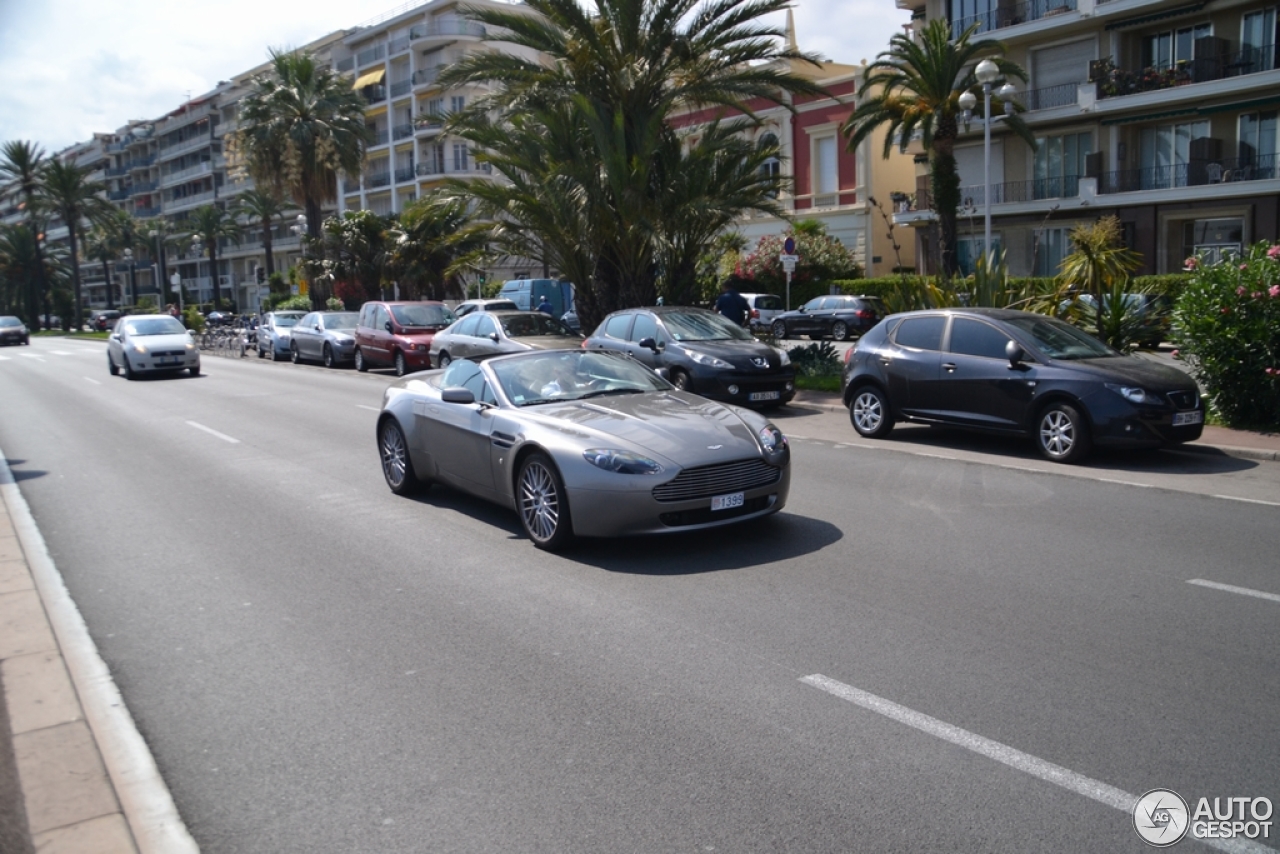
x=1018, y=373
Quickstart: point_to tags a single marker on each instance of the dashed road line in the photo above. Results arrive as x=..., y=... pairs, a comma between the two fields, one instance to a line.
x=370, y=408
x=223, y=436
x=1247, y=500
x=1035, y=766
x=1231, y=588
x=95, y=382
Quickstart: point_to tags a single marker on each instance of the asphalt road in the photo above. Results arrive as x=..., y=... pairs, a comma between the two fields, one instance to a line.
x=941, y=644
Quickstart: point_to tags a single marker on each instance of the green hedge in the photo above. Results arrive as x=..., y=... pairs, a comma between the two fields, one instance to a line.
x=1172, y=284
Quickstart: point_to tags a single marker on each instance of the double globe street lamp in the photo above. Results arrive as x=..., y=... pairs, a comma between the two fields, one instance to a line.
x=986, y=72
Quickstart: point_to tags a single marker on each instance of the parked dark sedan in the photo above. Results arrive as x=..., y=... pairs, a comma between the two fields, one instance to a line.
x=329, y=336
x=701, y=352
x=1016, y=373
x=837, y=317
x=13, y=331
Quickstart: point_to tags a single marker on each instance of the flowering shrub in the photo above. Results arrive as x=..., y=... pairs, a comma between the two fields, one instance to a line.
x=822, y=258
x=1114, y=81
x=1227, y=323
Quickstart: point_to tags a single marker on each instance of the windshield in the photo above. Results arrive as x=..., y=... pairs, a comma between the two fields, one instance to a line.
x=10, y=321
x=553, y=377
x=702, y=326
x=284, y=321
x=1059, y=340
x=531, y=324
x=422, y=315
x=340, y=320
x=160, y=325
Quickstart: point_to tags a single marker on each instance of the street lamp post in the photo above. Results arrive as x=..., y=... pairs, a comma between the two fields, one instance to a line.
x=987, y=72
x=164, y=276
x=301, y=230
x=133, y=281
x=197, y=246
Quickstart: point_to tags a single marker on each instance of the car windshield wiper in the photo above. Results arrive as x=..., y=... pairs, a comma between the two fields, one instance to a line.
x=539, y=400
x=605, y=391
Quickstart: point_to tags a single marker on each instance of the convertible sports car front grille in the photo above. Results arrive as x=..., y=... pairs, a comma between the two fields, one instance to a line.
x=718, y=479
x=1183, y=399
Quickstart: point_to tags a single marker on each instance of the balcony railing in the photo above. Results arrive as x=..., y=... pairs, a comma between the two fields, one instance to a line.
x=401, y=87
x=380, y=137
x=118, y=195
x=433, y=29
x=371, y=54
x=346, y=64
x=375, y=94
x=403, y=175
x=144, y=187
x=427, y=75
x=117, y=171
x=188, y=201
x=141, y=162
x=380, y=179
x=471, y=168
x=1194, y=174
x=1113, y=82
x=1052, y=96
x=205, y=168
x=398, y=45
x=1008, y=16
x=402, y=131
x=429, y=122
x=1012, y=192
x=146, y=213
x=184, y=146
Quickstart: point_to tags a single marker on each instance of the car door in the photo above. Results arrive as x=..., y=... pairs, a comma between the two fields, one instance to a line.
x=458, y=434
x=482, y=342
x=912, y=365
x=644, y=326
x=979, y=385
x=458, y=343
x=613, y=334
x=304, y=334
x=809, y=319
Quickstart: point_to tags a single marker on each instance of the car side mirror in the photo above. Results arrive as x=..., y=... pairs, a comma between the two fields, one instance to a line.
x=651, y=344
x=1014, y=353
x=387, y=326
x=457, y=395
x=493, y=336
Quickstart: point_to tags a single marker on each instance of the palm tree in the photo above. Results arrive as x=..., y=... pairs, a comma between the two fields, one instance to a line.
x=1101, y=265
x=29, y=267
x=263, y=208
x=66, y=192
x=915, y=86
x=300, y=126
x=101, y=244
x=210, y=223
x=23, y=162
x=584, y=125
x=434, y=242
x=355, y=249
x=131, y=234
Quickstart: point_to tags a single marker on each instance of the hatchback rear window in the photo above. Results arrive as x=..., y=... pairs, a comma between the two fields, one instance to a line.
x=769, y=303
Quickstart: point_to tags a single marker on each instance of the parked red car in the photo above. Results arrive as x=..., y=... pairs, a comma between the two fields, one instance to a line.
x=398, y=334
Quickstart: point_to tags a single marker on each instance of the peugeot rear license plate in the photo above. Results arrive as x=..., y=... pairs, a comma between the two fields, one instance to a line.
x=763, y=395
x=1181, y=418
x=727, y=502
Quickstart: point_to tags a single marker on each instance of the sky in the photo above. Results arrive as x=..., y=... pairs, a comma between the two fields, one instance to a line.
x=70, y=68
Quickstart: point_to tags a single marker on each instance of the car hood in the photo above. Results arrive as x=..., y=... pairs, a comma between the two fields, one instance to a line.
x=1132, y=370
x=737, y=353
x=681, y=428
x=176, y=341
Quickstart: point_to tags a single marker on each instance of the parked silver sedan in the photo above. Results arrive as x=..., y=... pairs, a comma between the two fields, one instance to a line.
x=325, y=336
x=488, y=333
x=147, y=343
x=582, y=443
x=273, y=333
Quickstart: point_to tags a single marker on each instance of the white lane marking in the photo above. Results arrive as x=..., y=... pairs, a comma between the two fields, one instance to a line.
x=4, y=358
x=370, y=408
x=1247, y=500
x=1231, y=588
x=1004, y=754
x=95, y=382
x=1123, y=482
x=32, y=356
x=62, y=353
x=223, y=436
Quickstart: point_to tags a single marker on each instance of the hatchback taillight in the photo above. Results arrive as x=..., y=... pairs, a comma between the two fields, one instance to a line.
x=755, y=313
x=848, y=354
x=865, y=313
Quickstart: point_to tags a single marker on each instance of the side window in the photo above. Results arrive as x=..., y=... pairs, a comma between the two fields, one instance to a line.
x=813, y=304
x=468, y=324
x=307, y=321
x=366, y=315
x=645, y=327
x=485, y=326
x=921, y=333
x=460, y=373
x=971, y=337
x=617, y=326
x=381, y=317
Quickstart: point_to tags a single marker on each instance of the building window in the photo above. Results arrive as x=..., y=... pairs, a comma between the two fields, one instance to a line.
x=969, y=250
x=1166, y=153
x=1213, y=239
x=457, y=103
x=1050, y=248
x=1258, y=39
x=459, y=157
x=772, y=167
x=1258, y=148
x=826, y=172
x=1059, y=163
x=1164, y=50
x=965, y=13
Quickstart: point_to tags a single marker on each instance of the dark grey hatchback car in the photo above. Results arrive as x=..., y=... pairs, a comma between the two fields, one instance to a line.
x=1017, y=373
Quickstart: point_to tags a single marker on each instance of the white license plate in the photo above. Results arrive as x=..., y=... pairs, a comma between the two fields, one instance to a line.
x=726, y=502
x=169, y=360
x=762, y=395
x=1180, y=418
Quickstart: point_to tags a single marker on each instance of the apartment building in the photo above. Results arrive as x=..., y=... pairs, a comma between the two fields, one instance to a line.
x=1162, y=112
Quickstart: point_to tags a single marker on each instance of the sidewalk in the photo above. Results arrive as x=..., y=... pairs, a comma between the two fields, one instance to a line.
x=1243, y=444
x=75, y=775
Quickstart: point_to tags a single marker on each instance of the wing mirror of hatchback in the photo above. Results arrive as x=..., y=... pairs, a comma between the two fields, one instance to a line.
x=651, y=344
x=387, y=326
x=457, y=395
x=1014, y=353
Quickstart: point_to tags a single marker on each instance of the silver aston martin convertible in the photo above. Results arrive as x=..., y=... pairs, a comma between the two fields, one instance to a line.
x=582, y=443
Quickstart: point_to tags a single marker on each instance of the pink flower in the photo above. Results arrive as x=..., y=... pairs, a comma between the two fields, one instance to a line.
x=1175, y=355
x=1275, y=291
x=1226, y=310
x=1274, y=252
x=1191, y=263
x=1244, y=266
x=1256, y=294
x=1240, y=291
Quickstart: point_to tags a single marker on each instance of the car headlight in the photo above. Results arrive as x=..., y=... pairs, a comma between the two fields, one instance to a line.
x=771, y=439
x=622, y=462
x=783, y=358
x=191, y=345
x=138, y=348
x=709, y=361
x=1133, y=394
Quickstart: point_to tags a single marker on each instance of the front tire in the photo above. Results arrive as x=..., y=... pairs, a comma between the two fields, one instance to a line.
x=397, y=468
x=869, y=413
x=779, y=330
x=111, y=366
x=543, y=506
x=194, y=371
x=681, y=380
x=361, y=365
x=402, y=367
x=328, y=357
x=840, y=330
x=444, y=360
x=1062, y=434
x=129, y=373
x=294, y=355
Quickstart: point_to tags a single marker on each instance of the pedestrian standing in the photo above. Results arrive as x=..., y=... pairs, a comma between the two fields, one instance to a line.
x=733, y=305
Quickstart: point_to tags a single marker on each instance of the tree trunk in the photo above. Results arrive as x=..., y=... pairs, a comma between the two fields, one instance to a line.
x=266, y=244
x=75, y=273
x=111, y=286
x=35, y=285
x=212, y=246
x=945, y=184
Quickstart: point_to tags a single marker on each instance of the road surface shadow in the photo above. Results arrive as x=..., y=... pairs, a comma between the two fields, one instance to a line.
x=22, y=475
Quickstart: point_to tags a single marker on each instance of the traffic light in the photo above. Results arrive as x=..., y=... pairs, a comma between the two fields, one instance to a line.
x=262, y=275
x=483, y=277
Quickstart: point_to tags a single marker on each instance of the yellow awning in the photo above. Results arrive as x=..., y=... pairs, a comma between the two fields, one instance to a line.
x=370, y=78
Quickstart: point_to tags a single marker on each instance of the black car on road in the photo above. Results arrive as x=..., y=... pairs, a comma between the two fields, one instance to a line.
x=1017, y=373
x=700, y=352
x=838, y=317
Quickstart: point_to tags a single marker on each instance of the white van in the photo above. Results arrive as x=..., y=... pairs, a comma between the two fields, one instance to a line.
x=527, y=293
x=764, y=308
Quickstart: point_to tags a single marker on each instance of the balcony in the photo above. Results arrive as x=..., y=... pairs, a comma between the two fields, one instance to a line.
x=403, y=175
x=402, y=131
x=427, y=75
x=192, y=114
x=1008, y=15
x=1049, y=97
x=436, y=29
x=378, y=179
x=143, y=187
x=183, y=147
x=183, y=202
x=375, y=94
x=427, y=170
x=1114, y=82
x=429, y=123
x=401, y=87
x=380, y=137
x=1193, y=174
x=1013, y=192
x=117, y=171
x=371, y=54
x=141, y=162
x=346, y=64
x=199, y=169
x=398, y=46
x=118, y=195
x=146, y=213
